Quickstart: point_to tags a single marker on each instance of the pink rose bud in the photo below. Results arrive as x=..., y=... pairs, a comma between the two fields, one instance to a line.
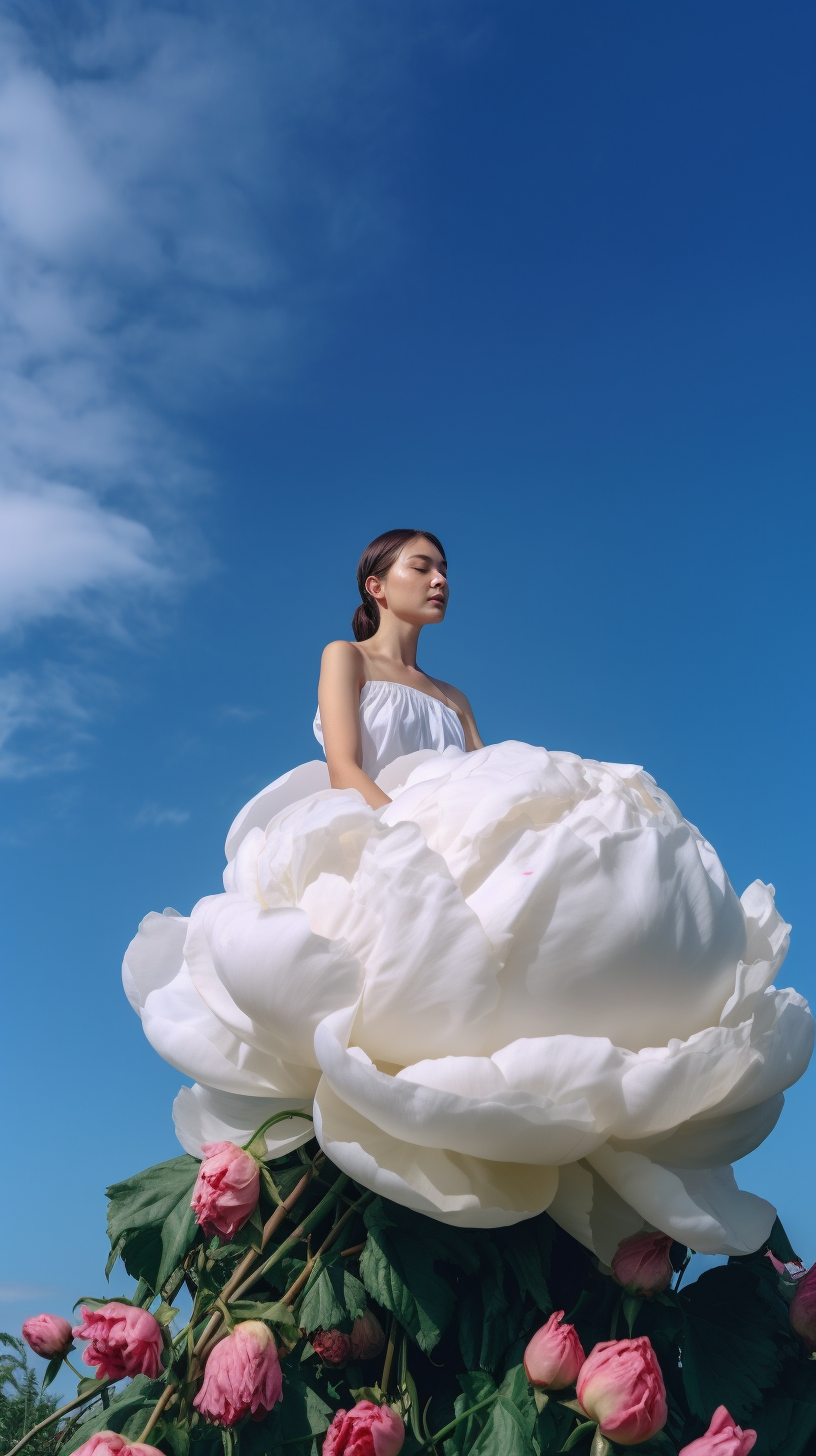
x=802, y=1311
x=242, y=1375
x=109, y=1443
x=620, y=1386
x=48, y=1335
x=723, y=1438
x=332, y=1347
x=554, y=1355
x=642, y=1264
x=125, y=1340
x=365, y=1430
x=367, y=1337
x=226, y=1189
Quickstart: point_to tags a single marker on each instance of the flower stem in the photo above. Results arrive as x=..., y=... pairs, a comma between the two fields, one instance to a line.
x=574, y=1437
x=158, y=1410
x=446, y=1430
x=272, y=1223
x=57, y=1414
x=294, y=1289
x=270, y=1121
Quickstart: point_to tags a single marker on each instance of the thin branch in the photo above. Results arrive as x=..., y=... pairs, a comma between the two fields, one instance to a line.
x=294, y=1289
x=158, y=1410
x=246, y=1264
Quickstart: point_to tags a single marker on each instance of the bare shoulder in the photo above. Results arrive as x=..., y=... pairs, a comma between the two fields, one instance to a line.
x=454, y=695
x=343, y=660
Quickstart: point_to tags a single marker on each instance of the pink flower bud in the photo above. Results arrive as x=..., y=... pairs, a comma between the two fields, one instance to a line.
x=554, y=1355
x=226, y=1189
x=242, y=1375
x=125, y=1340
x=365, y=1430
x=110, y=1443
x=332, y=1347
x=803, y=1309
x=723, y=1438
x=48, y=1335
x=367, y=1337
x=642, y=1264
x=620, y=1386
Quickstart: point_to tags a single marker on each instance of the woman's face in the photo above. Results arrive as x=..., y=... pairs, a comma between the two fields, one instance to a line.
x=415, y=588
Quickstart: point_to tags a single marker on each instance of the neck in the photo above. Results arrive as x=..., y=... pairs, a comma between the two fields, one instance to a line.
x=396, y=641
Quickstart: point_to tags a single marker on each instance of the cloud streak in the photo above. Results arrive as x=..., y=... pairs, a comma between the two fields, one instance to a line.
x=172, y=223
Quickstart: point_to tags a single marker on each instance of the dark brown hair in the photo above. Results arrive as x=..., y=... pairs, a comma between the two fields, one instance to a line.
x=376, y=560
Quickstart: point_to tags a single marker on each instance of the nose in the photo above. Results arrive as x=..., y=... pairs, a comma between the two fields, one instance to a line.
x=439, y=581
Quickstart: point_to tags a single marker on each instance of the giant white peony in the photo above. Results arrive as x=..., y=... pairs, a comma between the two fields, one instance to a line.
x=526, y=983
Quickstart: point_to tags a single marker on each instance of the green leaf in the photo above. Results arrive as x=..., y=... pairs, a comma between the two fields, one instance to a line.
x=730, y=1342
x=505, y=1432
x=780, y=1244
x=522, y=1251
x=165, y=1314
x=52, y=1370
x=150, y=1221
x=476, y=1385
x=333, y=1296
x=303, y=1411
x=397, y=1270
x=140, y=1394
x=632, y=1305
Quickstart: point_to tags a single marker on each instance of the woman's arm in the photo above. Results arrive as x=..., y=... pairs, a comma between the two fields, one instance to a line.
x=338, y=694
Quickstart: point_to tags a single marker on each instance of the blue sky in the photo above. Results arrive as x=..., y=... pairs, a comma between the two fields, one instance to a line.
x=537, y=276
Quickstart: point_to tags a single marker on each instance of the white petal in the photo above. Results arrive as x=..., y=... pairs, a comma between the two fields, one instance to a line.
x=702, y=1208
x=592, y=1212
x=185, y=1032
x=204, y=1115
x=267, y=976
x=298, y=783
x=451, y=1187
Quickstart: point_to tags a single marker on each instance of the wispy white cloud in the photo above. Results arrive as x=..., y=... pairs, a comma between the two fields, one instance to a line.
x=49, y=709
x=153, y=816
x=181, y=190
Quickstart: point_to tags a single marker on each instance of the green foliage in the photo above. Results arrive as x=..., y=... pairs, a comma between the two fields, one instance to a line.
x=150, y=1222
x=333, y=1297
x=734, y=1335
x=398, y=1271
x=459, y=1306
x=136, y=1400
x=22, y=1404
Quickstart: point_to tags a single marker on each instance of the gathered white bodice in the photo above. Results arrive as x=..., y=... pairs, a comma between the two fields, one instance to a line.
x=396, y=719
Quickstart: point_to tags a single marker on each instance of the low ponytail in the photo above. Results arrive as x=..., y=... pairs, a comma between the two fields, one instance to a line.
x=377, y=559
x=366, y=619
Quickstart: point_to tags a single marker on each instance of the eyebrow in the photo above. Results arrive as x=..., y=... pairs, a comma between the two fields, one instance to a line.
x=421, y=556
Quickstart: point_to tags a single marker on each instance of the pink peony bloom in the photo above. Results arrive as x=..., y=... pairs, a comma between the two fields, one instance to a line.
x=48, y=1335
x=125, y=1340
x=226, y=1190
x=109, y=1443
x=723, y=1438
x=803, y=1309
x=554, y=1355
x=620, y=1386
x=242, y=1375
x=642, y=1264
x=367, y=1337
x=365, y=1430
x=332, y=1347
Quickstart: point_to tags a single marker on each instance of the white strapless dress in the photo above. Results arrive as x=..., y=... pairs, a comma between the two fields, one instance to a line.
x=524, y=984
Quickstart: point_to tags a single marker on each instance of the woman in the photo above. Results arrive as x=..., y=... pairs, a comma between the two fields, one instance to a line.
x=501, y=979
x=369, y=711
